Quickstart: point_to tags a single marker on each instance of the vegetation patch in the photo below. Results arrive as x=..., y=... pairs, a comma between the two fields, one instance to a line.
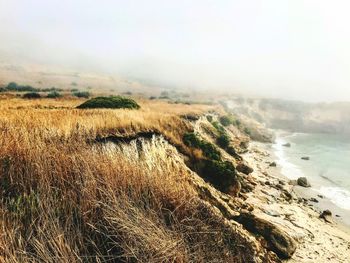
x=223, y=140
x=226, y=120
x=209, y=118
x=32, y=95
x=112, y=102
x=218, y=127
x=81, y=94
x=54, y=95
x=208, y=149
x=220, y=173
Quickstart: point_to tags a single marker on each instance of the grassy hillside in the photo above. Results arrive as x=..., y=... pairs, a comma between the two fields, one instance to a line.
x=66, y=196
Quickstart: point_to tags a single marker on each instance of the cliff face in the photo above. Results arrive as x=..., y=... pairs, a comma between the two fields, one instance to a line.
x=223, y=198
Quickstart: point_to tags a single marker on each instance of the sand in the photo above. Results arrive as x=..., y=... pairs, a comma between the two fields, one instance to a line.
x=318, y=241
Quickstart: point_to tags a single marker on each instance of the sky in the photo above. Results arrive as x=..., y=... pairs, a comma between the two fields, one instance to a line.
x=292, y=49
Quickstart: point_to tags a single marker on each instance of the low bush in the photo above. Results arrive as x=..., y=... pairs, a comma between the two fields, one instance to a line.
x=227, y=120
x=247, y=131
x=208, y=149
x=51, y=89
x=220, y=173
x=112, y=102
x=209, y=118
x=53, y=95
x=223, y=140
x=13, y=86
x=82, y=94
x=218, y=127
x=32, y=95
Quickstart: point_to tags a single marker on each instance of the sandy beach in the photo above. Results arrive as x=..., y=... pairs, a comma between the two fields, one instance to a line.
x=290, y=208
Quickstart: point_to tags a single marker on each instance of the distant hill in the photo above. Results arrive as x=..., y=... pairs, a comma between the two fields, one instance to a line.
x=295, y=116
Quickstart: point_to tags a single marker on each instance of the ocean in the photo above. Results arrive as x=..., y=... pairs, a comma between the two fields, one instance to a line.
x=328, y=169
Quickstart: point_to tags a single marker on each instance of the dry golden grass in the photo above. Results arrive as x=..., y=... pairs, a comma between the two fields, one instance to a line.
x=64, y=199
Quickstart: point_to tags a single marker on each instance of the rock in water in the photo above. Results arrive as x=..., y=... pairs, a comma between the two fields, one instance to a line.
x=306, y=158
x=273, y=164
x=327, y=216
x=302, y=181
x=277, y=239
x=287, y=144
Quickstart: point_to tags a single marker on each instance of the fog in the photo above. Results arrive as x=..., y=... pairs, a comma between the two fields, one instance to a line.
x=275, y=48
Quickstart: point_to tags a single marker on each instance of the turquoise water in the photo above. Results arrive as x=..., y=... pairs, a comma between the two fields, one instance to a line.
x=328, y=169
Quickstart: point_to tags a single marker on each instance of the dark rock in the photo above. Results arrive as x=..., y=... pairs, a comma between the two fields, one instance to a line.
x=302, y=181
x=306, y=158
x=327, y=216
x=312, y=199
x=337, y=215
x=279, y=186
x=267, y=183
x=320, y=196
x=273, y=164
x=277, y=239
x=287, y=144
x=244, y=168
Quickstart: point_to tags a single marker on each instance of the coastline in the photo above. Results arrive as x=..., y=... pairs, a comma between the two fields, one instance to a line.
x=289, y=207
x=290, y=171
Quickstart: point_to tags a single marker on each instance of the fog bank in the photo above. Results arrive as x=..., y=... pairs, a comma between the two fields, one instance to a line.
x=275, y=48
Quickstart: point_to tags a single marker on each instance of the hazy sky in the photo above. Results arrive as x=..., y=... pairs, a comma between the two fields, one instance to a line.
x=299, y=49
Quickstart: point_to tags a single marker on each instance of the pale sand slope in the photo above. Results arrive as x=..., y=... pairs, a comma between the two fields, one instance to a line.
x=318, y=241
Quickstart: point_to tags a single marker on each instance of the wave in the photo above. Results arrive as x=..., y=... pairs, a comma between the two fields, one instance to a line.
x=288, y=169
x=338, y=196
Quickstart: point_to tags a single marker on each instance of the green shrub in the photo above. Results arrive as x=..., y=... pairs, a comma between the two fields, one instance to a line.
x=32, y=95
x=209, y=118
x=220, y=173
x=247, y=131
x=208, y=149
x=82, y=94
x=226, y=120
x=223, y=140
x=112, y=102
x=53, y=95
x=50, y=89
x=2, y=89
x=218, y=127
x=12, y=86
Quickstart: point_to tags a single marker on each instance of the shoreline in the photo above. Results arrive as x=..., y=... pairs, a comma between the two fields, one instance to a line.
x=320, y=202
x=287, y=206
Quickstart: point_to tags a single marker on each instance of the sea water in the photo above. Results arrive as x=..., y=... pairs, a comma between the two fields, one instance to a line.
x=328, y=169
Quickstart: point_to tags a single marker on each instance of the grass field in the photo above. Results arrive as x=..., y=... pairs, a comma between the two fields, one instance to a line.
x=66, y=199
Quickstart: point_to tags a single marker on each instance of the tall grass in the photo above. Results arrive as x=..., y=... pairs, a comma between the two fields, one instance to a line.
x=66, y=199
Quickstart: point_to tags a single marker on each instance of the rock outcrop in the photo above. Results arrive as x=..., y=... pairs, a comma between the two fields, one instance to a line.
x=302, y=181
x=277, y=239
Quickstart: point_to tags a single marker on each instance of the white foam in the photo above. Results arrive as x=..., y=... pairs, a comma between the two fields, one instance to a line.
x=288, y=169
x=338, y=196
